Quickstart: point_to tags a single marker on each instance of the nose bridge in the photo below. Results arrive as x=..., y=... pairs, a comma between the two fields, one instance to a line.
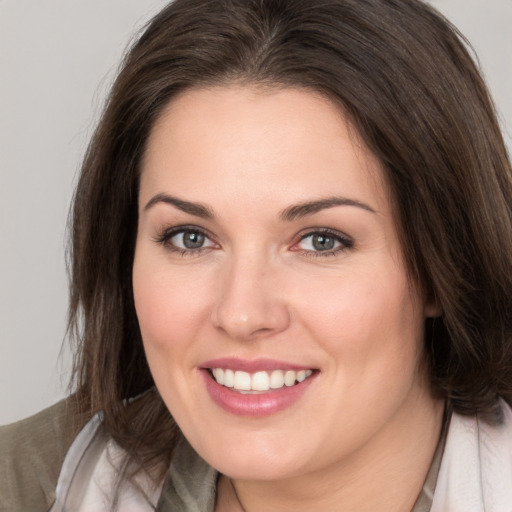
x=248, y=302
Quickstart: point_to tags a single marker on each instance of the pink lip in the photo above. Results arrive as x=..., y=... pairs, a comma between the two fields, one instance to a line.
x=257, y=365
x=254, y=405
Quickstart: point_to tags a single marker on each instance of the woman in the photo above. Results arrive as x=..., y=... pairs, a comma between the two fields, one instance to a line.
x=291, y=273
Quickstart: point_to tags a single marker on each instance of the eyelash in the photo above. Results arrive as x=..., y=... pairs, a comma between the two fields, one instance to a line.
x=165, y=237
x=345, y=241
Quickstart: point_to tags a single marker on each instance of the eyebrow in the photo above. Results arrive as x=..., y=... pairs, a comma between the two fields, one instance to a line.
x=294, y=212
x=197, y=209
x=301, y=210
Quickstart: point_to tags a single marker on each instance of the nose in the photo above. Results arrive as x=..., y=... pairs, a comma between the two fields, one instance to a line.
x=249, y=302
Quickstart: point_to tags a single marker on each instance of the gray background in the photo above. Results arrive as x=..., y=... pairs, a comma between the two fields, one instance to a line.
x=57, y=59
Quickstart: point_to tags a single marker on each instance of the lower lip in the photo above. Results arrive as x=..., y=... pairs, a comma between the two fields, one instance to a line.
x=255, y=405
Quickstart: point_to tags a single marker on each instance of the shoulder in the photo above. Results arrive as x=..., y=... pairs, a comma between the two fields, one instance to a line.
x=31, y=455
x=476, y=467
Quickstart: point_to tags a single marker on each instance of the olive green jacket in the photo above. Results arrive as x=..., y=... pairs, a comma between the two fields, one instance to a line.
x=31, y=455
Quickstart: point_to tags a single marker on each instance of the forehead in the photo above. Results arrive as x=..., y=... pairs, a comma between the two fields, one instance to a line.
x=232, y=140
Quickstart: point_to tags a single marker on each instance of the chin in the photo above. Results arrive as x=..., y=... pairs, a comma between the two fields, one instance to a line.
x=250, y=467
x=253, y=455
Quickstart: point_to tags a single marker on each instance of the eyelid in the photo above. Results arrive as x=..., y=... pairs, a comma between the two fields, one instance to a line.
x=345, y=241
x=167, y=233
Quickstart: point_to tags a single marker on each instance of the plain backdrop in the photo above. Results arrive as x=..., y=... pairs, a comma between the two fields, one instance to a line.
x=57, y=59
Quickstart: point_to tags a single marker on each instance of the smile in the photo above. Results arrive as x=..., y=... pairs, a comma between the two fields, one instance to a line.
x=256, y=388
x=260, y=381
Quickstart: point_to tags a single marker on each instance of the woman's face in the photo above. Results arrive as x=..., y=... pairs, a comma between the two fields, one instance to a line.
x=267, y=258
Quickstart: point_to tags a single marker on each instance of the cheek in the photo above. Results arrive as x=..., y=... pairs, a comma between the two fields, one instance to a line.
x=168, y=311
x=366, y=317
x=372, y=330
x=169, y=304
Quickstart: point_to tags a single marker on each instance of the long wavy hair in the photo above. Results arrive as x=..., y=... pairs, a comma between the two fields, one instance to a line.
x=407, y=81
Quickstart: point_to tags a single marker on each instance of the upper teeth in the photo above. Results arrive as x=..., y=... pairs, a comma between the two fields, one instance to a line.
x=259, y=381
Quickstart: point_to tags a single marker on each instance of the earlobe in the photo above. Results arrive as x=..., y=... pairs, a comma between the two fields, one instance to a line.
x=432, y=309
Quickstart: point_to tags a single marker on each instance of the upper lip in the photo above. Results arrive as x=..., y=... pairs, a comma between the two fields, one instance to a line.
x=252, y=366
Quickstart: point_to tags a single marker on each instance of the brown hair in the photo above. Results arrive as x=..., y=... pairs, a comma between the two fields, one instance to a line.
x=404, y=76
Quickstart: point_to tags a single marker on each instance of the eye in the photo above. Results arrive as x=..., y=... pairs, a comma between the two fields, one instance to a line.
x=323, y=243
x=186, y=240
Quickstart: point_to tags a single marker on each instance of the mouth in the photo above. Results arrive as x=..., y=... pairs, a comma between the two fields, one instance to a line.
x=260, y=381
x=256, y=388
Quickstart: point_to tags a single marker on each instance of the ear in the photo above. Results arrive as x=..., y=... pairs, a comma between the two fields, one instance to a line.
x=432, y=309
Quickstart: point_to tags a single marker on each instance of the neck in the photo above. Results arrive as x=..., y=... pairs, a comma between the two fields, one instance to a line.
x=388, y=473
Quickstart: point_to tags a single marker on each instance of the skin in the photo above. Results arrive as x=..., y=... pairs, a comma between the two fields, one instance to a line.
x=363, y=434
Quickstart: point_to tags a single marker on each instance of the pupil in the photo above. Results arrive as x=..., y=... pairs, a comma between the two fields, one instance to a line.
x=193, y=240
x=323, y=243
